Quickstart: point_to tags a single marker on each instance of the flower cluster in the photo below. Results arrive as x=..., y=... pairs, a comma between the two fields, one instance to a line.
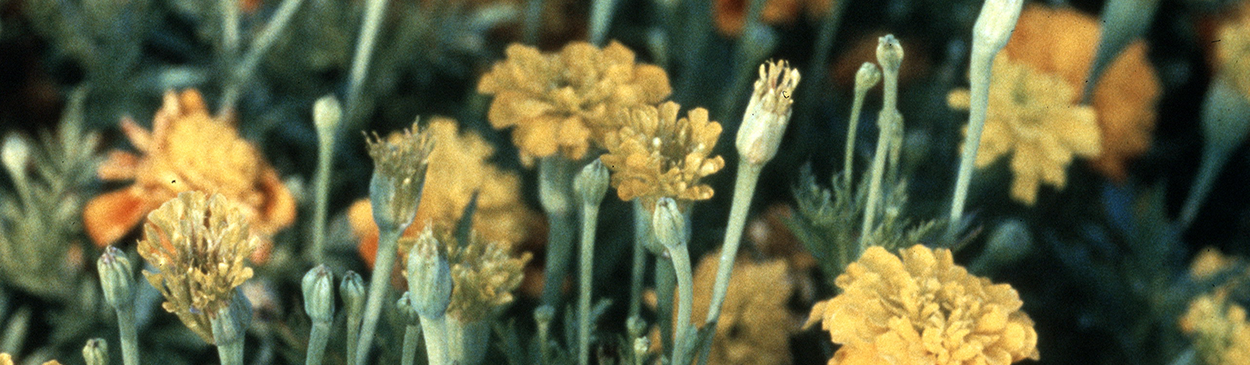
x=458, y=169
x=755, y=326
x=198, y=245
x=923, y=309
x=484, y=273
x=187, y=150
x=563, y=102
x=1219, y=328
x=655, y=154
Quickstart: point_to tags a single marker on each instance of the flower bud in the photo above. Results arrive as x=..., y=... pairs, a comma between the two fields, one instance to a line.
x=1008, y=242
x=327, y=114
x=669, y=224
x=429, y=277
x=15, y=154
x=116, y=278
x=867, y=77
x=352, y=290
x=96, y=352
x=636, y=326
x=995, y=24
x=318, y=286
x=889, y=53
x=406, y=311
x=398, y=177
x=592, y=183
x=767, y=113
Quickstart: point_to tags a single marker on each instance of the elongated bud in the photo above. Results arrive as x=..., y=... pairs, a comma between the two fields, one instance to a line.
x=15, y=154
x=318, y=286
x=669, y=223
x=867, y=77
x=352, y=290
x=327, y=114
x=96, y=352
x=116, y=278
x=995, y=24
x=406, y=311
x=889, y=53
x=767, y=113
x=429, y=277
x=398, y=177
x=592, y=183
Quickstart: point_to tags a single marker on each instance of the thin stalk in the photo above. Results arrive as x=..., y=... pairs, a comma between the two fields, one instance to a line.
x=325, y=158
x=436, y=349
x=979, y=74
x=555, y=193
x=600, y=20
x=231, y=352
x=744, y=191
x=590, y=217
x=129, y=335
x=412, y=335
x=533, y=21
x=379, y=286
x=353, y=332
x=369, y=30
x=243, y=72
x=874, y=185
x=1224, y=126
x=317, y=340
x=1122, y=22
x=642, y=233
x=685, y=301
x=848, y=160
x=229, y=30
x=665, y=282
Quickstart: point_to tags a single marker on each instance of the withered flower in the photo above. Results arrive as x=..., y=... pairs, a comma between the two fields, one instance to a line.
x=655, y=154
x=400, y=164
x=187, y=150
x=458, y=167
x=562, y=102
x=1219, y=328
x=923, y=309
x=484, y=273
x=198, y=245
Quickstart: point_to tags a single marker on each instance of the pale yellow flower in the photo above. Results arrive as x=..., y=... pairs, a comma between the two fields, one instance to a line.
x=1210, y=261
x=755, y=326
x=564, y=101
x=923, y=309
x=655, y=154
x=6, y=359
x=1219, y=328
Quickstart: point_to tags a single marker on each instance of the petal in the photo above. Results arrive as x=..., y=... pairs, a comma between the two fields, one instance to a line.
x=110, y=216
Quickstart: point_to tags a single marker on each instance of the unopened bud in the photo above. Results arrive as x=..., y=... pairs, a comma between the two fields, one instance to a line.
x=592, y=183
x=352, y=290
x=867, y=76
x=641, y=346
x=889, y=53
x=767, y=113
x=398, y=177
x=15, y=155
x=668, y=223
x=406, y=311
x=995, y=24
x=318, y=286
x=96, y=352
x=116, y=278
x=1008, y=242
x=327, y=114
x=636, y=326
x=429, y=277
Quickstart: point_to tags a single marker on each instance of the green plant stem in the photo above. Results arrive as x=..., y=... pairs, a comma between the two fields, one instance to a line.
x=369, y=30
x=245, y=69
x=325, y=159
x=231, y=353
x=685, y=301
x=317, y=340
x=354, y=318
x=129, y=335
x=744, y=191
x=1225, y=122
x=874, y=185
x=590, y=217
x=600, y=20
x=379, y=286
x=533, y=21
x=665, y=282
x=436, y=349
x=466, y=342
x=229, y=30
x=893, y=124
x=979, y=75
x=412, y=335
x=848, y=160
x=555, y=180
x=642, y=233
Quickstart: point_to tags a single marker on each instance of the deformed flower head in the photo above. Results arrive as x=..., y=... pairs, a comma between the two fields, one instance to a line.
x=399, y=168
x=1219, y=328
x=1035, y=117
x=768, y=112
x=562, y=102
x=197, y=244
x=923, y=309
x=656, y=155
x=187, y=150
x=484, y=273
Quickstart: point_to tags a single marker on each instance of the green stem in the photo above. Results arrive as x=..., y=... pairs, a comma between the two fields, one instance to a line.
x=466, y=342
x=590, y=217
x=893, y=124
x=231, y=353
x=436, y=349
x=979, y=75
x=848, y=160
x=1122, y=22
x=354, y=318
x=412, y=334
x=325, y=157
x=533, y=21
x=555, y=178
x=665, y=282
x=229, y=30
x=369, y=30
x=129, y=335
x=642, y=226
x=685, y=298
x=257, y=51
x=600, y=20
x=317, y=340
x=874, y=185
x=744, y=191
x=379, y=286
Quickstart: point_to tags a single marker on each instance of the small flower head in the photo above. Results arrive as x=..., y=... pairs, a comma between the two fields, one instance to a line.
x=188, y=149
x=398, y=176
x=923, y=309
x=560, y=103
x=318, y=288
x=592, y=183
x=655, y=154
x=352, y=290
x=767, y=113
x=116, y=277
x=198, y=245
x=429, y=277
x=889, y=53
x=1219, y=329
x=327, y=114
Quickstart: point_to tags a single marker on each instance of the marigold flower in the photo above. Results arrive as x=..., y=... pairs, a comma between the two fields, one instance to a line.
x=755, y=325
x=923, y=309
x=562, y=102
x=484, y=273
x=1034, y=116
x=730, y=15
x=186, y=150
x=656, y=155
x=6, y=359
x=1063, y=41
x=1219, y=328
x=458, y=168
x=198, y=244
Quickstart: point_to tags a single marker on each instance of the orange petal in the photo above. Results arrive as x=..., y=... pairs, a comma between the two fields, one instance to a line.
x=108, y=217
x=120, y=165
x=278, y=211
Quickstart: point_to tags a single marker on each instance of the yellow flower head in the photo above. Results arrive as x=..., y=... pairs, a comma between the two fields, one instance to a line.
x=923, y=309
x=484, y=273
x=1233, y=48
x=656, y=155
x=187, y=150
x=198, y=244
x=6, y=359
x=561, y=102
x=755, y=325
x=458, y=167
x=1219, y=328
x=1036, y=117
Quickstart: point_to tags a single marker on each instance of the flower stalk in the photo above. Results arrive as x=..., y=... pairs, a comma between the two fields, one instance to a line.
x=429, y=292
x=1122, y=22
x=369, y=30
x=865, y=79
x=555, y=179
x=326, y=116
x=890, y=56
x=989, y=35
x=243, y=71
x=670, y=229
x=318, y=291
x=352, y=290
x=117, y=280
x=412, y=328
x=591, y=184
x=1224, y=127
x=642, y=234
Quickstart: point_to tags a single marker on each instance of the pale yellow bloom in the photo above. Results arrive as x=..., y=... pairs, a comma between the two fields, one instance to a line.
x=484, y=274
x=1219, y=328
x=6, y=359
x=655, y=154
x=923, y=309
x=1210, y=261
x=755, y=326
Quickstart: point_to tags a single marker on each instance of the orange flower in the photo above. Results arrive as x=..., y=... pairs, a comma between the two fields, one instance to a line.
x=1062, y=41
x=458, y=168
x=730, y=15
x=186, y=150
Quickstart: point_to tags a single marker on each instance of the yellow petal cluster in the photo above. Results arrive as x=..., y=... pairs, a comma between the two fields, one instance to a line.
x=198, y=245
x=6, y=359
x=655, y=154
x=755, y=325
x=1036, y=118
x=484, y=274
x=562, y=102
x=923, y=309
x=1219, y=328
